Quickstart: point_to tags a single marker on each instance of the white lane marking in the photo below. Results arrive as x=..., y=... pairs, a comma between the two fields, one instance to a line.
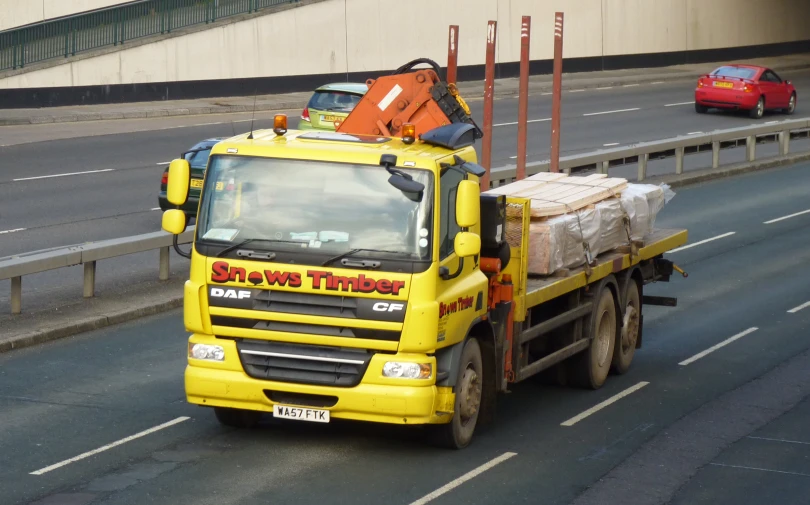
x=787, y=217
x=529, y=121
x=761, y=469
x=156, y=208
x=164, y=163
x=606, y=87
x=576, y=91
x=694, y=133
x=574, y=420
x=657, y=82
x=630, y=85
x=680, y=103
x=717, y=346
x=464, y=478
x=110, y=446
x=800, y=307
x=780, y=440
x=611, y=111
x=11, y=231
x=64, y=175
x=611, y=144
x=545, y=94
x=771, y=122
x=703, y=242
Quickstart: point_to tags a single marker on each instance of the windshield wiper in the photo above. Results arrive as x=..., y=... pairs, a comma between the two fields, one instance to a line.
x=363, y=263
x=252, y=254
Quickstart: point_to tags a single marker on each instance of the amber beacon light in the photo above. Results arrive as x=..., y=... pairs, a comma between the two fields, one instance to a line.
x=408, y=133
x=280, y=124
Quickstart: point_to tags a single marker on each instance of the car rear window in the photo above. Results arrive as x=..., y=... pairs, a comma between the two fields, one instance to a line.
x=198, y=159
x=333, y=100
x=745, y=73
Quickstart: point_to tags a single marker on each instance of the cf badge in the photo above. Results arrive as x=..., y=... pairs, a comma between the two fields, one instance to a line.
x=387, y=307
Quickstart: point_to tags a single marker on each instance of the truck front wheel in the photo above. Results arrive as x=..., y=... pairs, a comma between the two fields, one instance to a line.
x=458, y=433
x=591, y=367
x=237, y=418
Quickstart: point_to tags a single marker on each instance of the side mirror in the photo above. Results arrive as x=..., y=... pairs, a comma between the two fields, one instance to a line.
x=467, y=244
x=174, y=221
x=468, y=204
x=179, y=180
x=787, y=83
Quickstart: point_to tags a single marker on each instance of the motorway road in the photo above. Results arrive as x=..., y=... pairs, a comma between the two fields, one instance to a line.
x=101, y=418
x=62, y=184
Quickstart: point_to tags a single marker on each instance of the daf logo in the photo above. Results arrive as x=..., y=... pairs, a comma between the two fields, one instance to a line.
x=230, y=293
x=387, y=307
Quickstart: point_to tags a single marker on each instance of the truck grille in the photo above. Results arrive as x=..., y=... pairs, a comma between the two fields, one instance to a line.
x=303, y=364
x=306, y=304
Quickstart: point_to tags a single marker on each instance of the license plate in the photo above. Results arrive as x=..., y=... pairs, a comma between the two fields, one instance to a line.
x=299, y=414
x=723, y=84
x=331, y=119
x=196, y=183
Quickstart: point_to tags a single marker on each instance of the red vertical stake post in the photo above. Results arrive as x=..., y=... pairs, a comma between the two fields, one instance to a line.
x=452, y=55
x=523, y=96
x=555, y=108
x=489, y=88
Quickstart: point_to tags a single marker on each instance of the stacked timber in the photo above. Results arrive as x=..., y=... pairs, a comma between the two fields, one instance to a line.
x=575, y=219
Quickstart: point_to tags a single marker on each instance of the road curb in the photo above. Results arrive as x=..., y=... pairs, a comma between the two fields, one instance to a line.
x=88, y=324
x=467, y=91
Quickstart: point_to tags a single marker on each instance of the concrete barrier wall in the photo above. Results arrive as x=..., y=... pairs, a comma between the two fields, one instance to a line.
x=15, y=13
x=344, y=37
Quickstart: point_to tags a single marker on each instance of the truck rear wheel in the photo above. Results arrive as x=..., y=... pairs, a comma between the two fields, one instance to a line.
x=628, y=337
x=237, y=418
x=591, y=367
x=458, y=433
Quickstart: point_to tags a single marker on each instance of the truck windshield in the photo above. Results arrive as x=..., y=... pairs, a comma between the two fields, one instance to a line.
x=286, y=205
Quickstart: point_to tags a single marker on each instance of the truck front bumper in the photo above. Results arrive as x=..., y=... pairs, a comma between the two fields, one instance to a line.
x=223, y=385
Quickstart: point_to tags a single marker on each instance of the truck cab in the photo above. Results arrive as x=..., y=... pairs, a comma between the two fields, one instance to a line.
x=335, y=276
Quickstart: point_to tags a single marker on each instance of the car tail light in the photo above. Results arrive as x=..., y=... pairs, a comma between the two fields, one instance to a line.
x=165, y=178
x=305, y=114
x=748, y=88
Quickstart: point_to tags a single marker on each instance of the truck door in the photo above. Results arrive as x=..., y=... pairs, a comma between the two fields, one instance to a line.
x=461, y=294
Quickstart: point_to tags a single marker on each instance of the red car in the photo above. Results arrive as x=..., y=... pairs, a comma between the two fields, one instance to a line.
x=747, y=87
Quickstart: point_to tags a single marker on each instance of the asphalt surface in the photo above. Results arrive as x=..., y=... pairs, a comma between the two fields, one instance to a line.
x=63, y=184
x=62, y=400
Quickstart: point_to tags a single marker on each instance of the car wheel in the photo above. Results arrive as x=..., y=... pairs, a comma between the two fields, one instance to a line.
x=758, y=111
x=791, y=105
x=701, y=109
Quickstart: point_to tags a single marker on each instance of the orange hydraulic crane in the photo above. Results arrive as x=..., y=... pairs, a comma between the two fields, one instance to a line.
x=408, y=95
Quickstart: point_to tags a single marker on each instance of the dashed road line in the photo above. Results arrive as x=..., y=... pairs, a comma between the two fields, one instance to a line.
x=630, y=85
x=64, y=175
x=787, y=217
x=613, y=399
x=576, y=91
x=529, y=121
x=611, y=111
x=15, y=230
x=610, y=144
x=604, y=88
x=779, y=440
x=800, y=307
x=694, y=133
x=761, y=469
x=464, y=478
x=164, y=163
x=677, y=104
x=718, y=346
x=156, y=208
x=159, y=427
x=689, y=246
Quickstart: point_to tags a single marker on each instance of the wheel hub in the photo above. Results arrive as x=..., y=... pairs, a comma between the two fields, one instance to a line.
x=469, y=394
x=603, y=339
x=630, y=328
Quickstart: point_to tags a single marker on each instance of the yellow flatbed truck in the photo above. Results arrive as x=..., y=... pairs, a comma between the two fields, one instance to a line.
x=366, y=277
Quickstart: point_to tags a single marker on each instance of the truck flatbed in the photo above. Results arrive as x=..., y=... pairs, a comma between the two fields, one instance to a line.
x=542, y=289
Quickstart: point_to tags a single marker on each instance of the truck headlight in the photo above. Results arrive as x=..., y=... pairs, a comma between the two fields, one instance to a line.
x=206, y=352
x=406, y=370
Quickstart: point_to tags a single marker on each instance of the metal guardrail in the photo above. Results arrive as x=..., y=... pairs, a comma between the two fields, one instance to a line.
x=677, y=147
x=15, y=267
x=112, y=26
